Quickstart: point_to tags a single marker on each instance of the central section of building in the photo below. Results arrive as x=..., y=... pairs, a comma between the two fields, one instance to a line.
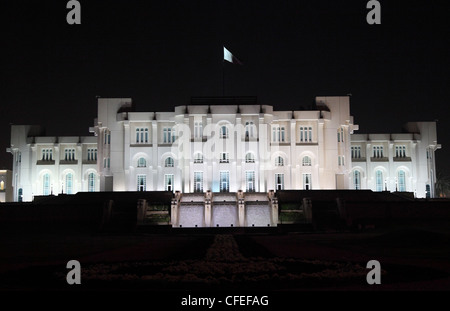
x=224, y=145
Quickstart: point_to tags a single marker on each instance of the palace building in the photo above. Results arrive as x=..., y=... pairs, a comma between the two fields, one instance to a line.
x=223, y=144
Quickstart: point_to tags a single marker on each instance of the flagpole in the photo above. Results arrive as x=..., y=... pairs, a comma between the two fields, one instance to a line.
x=223, y=77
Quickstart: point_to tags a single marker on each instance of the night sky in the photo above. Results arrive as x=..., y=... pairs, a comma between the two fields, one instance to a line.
x=160, y=53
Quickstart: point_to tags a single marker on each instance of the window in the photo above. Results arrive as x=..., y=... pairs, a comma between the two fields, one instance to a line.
x=47, y=154
x=305, y=134
x=141, y=182
x=249, y=158
x=356, y=152
x=428, y=191
x=46, y=184
x=224, y=181
x=198, y=129
x=378, y=152
x=142, y=135
x=106, y=163
x=107, y=137
x=401, y=181
x=279, y=161
x=340, y=135
x=250, y=181
x=198, y=181
x=279, y=181
x=92, y=154
x=223, y=131
x=357, y=180
x=69, y=154
x=341, y=160
x=91, y=182
x=168, y=182
x=198, y=158
x=168, y=135
x=224, y=157
x=20, y=194
x=142, y=162
x=278, y=134
x=2, y=185
x=69, y=183
x=400, y=151
x=379, y=181
x=306, y=161
x=250, y=129
x=307, y=181
x=169, y=162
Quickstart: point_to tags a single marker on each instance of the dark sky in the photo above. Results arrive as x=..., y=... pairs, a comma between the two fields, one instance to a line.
x=160, y=53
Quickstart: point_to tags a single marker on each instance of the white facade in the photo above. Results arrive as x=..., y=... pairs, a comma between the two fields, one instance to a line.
x=44, y=165
x=222, y=148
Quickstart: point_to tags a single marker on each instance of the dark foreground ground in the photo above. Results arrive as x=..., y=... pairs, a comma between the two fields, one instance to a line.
x=412, y=259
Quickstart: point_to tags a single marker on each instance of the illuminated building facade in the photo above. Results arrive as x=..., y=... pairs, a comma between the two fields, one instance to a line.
x=223, y=144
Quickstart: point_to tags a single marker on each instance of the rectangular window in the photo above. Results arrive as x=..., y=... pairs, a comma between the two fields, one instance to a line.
x=198, y=181
x=69, y=154
x=379, y=181
x=198, y=129
x=307, y=184
x=305, y=134
x=141, y=182
x=46, y=184
x=107, y=137
x=92, y=154
x=168, y=182
x=401, y=181
x=249, y=129
x=341, y=161
x=279, y=134
x=224, y=181
x=356, y=152
x=142, y=135
x=250, y=181
x=69, y=183
x=279, y=181
x=357, y=180
x=106, y=163
x=47, y=154
x=224, y=157
x=400, y=151
x=91, y=182
x=378, y=152
x=340, y=135
x=168, y=135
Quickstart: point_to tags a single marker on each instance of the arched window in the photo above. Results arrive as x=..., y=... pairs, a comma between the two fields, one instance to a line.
x=91, y=182
x=401, y=181
x=379, y=181
x=306, y=161
x=46, y=184
x=249, y=158
x=169, y=162
x=142, y=162
x=357, y=180
x=279, y=161
x=198, y=157
x=69, y=183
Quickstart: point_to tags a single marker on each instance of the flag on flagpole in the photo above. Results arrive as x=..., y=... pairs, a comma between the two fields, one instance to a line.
x=230, y=57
